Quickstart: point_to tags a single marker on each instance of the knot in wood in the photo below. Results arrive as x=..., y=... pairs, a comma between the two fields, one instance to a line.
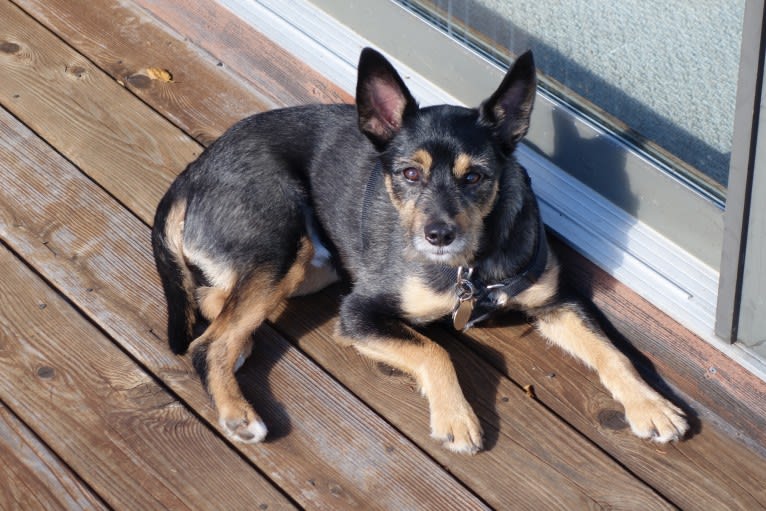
x=9, y=47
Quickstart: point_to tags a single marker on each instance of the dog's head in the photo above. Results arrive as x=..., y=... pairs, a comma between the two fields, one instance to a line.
x=443, y=166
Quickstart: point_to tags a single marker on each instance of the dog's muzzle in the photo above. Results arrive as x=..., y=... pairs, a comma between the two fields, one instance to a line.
x=440, y=234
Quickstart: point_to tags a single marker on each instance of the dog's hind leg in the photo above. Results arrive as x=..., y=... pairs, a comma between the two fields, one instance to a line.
x=366, y=326
x=224, y=345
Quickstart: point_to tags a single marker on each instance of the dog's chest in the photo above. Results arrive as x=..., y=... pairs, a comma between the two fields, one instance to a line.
x=421, y=303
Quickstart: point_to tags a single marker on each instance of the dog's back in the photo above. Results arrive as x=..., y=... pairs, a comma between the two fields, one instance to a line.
x=243, y=204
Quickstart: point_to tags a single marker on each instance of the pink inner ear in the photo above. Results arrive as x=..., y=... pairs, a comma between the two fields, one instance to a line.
x=387, y=102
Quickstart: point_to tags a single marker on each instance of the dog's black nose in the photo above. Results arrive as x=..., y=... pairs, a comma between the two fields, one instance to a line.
x=440, y=234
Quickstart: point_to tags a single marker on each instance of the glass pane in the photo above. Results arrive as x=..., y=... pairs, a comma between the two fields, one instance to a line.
x=662, y=72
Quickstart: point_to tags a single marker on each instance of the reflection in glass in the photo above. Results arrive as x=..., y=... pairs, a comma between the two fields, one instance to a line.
x=664, y=73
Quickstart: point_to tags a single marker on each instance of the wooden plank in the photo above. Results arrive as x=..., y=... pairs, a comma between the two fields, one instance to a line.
x=705, y=463
x=125, y=41
x=255, y=57
x=328, y=451
x=33, y=477
x=126, y=436
x=524, y=442
x=722, y=464
x=48, y=85
x=693, y=366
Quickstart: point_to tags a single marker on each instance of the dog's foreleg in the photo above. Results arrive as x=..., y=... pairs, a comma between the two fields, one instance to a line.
x=385, y=339
x=648, y=414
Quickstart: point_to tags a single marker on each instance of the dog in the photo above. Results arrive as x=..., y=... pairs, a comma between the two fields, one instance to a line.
x=426, y=212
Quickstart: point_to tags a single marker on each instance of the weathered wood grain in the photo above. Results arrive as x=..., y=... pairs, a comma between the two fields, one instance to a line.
x=49, y=85
x=32, y=477
x=694, y=367
x=525, y=442
x=704, y=463
x=122, y=39
x=126, y=436
x=273, y=70
x=328, y=451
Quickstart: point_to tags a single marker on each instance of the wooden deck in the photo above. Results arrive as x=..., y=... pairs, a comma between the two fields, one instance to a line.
x=95, y=412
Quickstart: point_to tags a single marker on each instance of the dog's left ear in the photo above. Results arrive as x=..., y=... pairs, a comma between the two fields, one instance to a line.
x=509, y=108
x=382, y=99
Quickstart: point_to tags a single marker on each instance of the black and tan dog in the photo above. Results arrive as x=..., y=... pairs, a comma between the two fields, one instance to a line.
x=425, y=209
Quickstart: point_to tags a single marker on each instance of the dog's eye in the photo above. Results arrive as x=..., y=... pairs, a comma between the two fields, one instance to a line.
x=411, y=174
x=472, y=178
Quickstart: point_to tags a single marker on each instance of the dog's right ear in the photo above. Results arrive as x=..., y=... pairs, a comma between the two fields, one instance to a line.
x=382, y=99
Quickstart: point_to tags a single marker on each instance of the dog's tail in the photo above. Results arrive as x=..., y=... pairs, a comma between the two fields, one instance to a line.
x=177, y=278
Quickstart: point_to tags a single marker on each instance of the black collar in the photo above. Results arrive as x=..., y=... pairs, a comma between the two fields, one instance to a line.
x=516, y=284
x=477, y=300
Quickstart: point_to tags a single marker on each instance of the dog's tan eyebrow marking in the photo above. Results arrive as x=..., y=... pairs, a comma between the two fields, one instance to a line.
x=462, y=164
x=424, y=159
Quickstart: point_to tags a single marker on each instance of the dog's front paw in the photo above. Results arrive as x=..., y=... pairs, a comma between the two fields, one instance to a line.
x=656, y=419
x=457, y=428
x=247, y=428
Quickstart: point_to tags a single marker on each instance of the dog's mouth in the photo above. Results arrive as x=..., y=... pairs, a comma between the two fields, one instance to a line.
x=457, y=253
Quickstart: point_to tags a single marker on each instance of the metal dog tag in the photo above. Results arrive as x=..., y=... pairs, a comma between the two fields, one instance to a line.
x=462, y=314
x=466, y=298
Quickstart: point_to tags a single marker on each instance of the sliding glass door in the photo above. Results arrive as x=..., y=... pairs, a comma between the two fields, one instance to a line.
x=742, y=297
x=645, y=147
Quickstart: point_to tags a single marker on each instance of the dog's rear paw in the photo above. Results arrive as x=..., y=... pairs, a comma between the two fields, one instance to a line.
x=459, y=430
x=657, y=419
x=248, y=430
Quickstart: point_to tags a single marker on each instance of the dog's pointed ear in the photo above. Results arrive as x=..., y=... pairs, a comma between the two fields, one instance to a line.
x=509, y=108
x=382, y=99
